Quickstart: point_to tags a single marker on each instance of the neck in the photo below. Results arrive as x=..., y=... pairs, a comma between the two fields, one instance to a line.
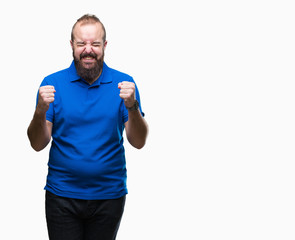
x=89, y=75
x=92, y=81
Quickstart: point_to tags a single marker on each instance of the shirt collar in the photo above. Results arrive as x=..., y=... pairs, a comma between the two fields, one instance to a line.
x=104, y=77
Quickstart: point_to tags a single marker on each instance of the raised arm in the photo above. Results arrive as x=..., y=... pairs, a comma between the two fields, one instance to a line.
x=39, y=130
x=136, y=126
x=136, y=129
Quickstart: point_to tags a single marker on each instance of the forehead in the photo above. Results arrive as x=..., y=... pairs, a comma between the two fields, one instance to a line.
x=88, y=31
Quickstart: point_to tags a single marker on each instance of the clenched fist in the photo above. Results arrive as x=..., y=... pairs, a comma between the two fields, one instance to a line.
x=127, y=93
x=46, y=96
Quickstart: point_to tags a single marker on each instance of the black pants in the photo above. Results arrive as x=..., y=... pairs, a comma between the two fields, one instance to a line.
x=74, y=219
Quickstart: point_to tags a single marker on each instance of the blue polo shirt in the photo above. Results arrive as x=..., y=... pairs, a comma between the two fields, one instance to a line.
x=87, y=157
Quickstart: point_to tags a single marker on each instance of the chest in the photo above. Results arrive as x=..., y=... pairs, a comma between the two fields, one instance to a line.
x=78, y=104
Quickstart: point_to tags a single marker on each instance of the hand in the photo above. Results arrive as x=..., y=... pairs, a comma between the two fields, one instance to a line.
x=127, y=93
x=46, y=96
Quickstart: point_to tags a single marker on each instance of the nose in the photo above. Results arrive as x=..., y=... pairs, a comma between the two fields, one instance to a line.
x=88, y=48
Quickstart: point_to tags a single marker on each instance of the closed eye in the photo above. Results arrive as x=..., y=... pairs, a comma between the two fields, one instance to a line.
x=96, y=44
x=80, y=44
x=83, y=44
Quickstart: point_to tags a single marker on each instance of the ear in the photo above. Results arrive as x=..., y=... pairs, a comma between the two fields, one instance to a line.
x=105, y=44
x=72, y=44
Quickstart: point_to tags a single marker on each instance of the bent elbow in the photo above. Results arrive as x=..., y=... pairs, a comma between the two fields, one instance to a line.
x=36, y=147
x=138, y=144
x=139, y=147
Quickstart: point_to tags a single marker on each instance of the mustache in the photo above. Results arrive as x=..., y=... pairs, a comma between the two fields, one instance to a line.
x=82, y=55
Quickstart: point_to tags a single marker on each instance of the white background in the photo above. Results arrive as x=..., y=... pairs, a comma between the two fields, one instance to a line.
x=217, y=85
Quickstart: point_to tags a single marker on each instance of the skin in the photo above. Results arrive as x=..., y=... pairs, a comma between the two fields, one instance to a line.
x=88, y=38
x=40, y=130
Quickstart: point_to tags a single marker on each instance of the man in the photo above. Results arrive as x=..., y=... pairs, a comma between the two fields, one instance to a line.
x=85, y=110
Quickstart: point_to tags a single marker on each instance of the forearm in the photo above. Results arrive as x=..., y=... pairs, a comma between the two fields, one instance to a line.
x=136, y=129
x=38, y=132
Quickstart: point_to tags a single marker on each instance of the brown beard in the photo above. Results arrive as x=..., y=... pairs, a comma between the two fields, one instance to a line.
x=89, y=74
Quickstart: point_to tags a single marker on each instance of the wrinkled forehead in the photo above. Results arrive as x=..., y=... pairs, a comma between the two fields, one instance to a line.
x=88, y=31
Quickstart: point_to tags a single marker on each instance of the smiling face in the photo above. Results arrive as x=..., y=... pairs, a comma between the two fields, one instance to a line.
x=88, y=50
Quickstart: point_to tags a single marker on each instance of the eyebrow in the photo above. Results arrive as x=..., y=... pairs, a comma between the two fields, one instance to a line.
x=82, y=42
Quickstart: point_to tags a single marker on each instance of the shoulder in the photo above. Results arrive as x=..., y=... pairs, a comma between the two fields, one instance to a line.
x=118, y=76
x=51, y=79
x=58, y=74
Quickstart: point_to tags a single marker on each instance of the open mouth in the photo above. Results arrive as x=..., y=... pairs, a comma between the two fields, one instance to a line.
x=88, y=60
x=88, y=57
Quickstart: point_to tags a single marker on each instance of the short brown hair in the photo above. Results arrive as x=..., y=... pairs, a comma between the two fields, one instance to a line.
x=89, y=18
